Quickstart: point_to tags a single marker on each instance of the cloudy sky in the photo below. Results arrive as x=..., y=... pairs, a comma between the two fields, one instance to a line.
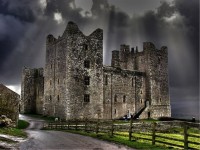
x=24, y=25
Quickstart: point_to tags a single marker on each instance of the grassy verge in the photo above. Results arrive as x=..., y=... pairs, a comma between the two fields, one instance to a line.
x=120, y=140
x=16, y=131
x=22, y=124
x=13, y=132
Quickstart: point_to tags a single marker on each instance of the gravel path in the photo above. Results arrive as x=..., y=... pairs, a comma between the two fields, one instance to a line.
x=53, y=140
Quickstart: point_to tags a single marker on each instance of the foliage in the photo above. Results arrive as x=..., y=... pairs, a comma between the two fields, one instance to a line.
x=22, y=124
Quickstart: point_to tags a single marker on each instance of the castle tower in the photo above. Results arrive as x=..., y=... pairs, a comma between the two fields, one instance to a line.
x=32, y=90
x=157, y=86
x=124, y=55
x=115, y=59
x=73, y=74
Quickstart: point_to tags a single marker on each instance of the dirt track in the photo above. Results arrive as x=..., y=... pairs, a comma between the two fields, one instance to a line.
x=42, y=139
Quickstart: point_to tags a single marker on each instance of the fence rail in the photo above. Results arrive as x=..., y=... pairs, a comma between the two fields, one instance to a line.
x=147, y=131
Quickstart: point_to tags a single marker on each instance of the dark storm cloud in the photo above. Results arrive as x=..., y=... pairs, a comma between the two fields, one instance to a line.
x=21, y=10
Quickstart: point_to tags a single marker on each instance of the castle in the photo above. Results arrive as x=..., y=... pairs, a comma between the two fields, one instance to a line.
x=76, y=84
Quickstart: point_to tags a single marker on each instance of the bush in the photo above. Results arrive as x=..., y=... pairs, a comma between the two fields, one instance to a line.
x=22, y=124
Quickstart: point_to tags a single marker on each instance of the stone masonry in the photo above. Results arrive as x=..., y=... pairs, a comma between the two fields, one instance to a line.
x=9, y=103
x=75, y=84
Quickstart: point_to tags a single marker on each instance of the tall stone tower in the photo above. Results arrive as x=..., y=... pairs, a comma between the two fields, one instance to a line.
x=73, y=74
x=32, y=91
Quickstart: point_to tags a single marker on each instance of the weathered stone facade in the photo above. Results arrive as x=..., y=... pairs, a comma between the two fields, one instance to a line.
x=32, y=91
x=9, y=103
x=77, y=85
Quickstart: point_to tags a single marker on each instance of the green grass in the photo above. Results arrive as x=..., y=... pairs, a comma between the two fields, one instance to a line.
x=119, y=140
x=138, y=143
x=22, y=124
x=16, y=131
x=13, y=132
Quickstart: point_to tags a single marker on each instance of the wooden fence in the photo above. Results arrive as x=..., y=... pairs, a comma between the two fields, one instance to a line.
x=150, y=131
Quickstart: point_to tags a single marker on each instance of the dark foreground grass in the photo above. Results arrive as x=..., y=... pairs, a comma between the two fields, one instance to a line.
x=120, y=140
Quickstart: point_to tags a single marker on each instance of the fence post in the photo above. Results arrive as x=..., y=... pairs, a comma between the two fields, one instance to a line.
x=130, y=129
x=68, y=122
x=185, y=137
x=76, y=122
x=154, y=134
x=97, y=127
x=112, y=128
x=85, y=124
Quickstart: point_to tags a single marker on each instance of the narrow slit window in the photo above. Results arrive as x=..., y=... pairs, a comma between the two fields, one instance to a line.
x=106, y=79
x=115, y=111
x=124, y=99
x=50, y=97
x=115, y=98
x=58, y=98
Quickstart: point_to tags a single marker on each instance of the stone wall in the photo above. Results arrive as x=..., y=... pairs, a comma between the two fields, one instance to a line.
x=32, y=90
x=9, y=103
x=122, y=92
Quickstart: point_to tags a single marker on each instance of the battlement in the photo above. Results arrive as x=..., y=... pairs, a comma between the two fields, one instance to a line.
x=33, y=72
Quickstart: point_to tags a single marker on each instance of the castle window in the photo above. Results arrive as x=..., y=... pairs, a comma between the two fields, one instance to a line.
x=85, y=47
x=160, y=100
x=50, y=98
x=50, y=82
x=87, y=80
x=106, y=79
x=141, y=92
x=159, y=59
x=51, y=66
x=58, y=81
x=141, y=101
x=132, y=82
x=87, y=64
x=86, y=98
x=124, y=98
x=115, y=111
x=58, y=97
x=115, y=98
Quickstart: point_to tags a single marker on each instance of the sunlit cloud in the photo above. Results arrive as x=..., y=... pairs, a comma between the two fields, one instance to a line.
x=15, y=88
x=58, y=17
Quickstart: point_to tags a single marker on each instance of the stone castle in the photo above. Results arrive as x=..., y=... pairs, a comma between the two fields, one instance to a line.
x=76, y=84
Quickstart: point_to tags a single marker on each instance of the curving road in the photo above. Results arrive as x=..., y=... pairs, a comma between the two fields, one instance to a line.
x=53, y=140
